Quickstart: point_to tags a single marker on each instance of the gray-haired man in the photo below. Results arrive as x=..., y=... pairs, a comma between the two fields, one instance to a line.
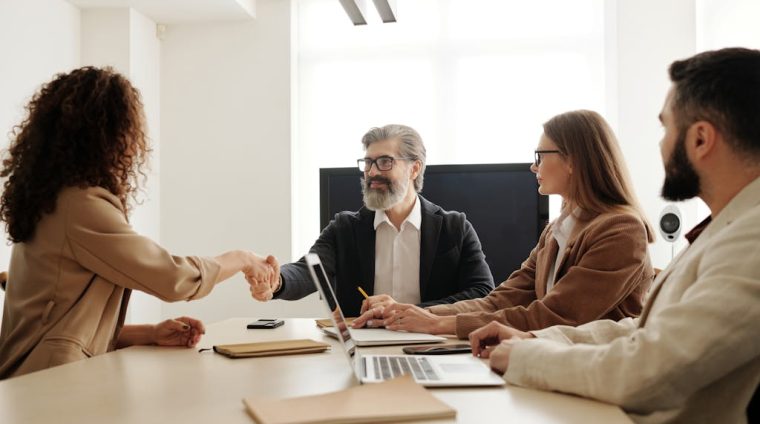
x=399, y=246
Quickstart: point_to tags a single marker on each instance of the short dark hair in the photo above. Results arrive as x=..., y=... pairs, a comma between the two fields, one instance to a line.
x=722, y=87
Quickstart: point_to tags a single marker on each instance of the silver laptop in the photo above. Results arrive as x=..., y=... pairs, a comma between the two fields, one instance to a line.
x=427, y=370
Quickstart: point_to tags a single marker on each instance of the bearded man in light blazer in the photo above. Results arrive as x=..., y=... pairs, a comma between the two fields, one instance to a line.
x=694, y=354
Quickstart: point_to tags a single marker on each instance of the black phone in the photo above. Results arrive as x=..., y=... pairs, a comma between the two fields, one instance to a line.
x=266, y=323
x=437, y=349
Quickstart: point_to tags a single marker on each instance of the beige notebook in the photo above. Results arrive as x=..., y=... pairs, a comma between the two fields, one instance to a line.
x=327, y=322
x=279, y=347
x=400, y=399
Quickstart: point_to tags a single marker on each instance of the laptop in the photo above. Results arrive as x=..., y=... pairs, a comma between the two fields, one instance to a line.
x=427, y=370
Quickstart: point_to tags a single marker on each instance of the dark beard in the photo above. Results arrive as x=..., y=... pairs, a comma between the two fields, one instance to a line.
x=681, y=180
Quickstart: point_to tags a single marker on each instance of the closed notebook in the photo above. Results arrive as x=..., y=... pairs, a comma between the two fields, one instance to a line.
x=400, y=399
x=273, y=348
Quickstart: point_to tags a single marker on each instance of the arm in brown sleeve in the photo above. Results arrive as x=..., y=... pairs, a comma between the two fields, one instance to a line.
x=101, y=240
x=518, y=289
x=611, y=261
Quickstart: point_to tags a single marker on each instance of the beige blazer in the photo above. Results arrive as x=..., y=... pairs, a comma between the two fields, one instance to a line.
x=604, y=273
x=692, y=357
x=69, y=285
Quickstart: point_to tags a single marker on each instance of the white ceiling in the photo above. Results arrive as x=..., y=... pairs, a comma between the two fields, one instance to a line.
x=180, y=11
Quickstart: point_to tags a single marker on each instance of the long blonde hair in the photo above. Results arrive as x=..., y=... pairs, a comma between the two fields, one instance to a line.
x=600, y=181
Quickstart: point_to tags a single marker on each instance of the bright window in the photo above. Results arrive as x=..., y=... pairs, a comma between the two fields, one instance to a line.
x=476, y=78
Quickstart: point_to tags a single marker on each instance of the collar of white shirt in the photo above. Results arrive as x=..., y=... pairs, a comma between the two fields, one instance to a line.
x=414, y=218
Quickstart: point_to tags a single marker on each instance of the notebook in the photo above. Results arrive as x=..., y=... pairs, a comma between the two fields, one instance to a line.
x=272, y=348
x=359, y=404
x=428, y=370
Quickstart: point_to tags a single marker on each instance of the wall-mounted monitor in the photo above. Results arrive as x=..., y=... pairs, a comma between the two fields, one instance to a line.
x=501, y=201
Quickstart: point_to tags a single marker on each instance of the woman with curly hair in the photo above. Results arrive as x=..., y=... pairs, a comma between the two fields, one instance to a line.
x=70, y=172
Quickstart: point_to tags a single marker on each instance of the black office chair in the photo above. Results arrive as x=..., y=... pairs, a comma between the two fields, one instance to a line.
x=753, y=409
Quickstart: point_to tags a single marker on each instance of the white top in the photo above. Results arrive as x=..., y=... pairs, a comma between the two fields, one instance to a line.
x=561, y=232
x=397, y=256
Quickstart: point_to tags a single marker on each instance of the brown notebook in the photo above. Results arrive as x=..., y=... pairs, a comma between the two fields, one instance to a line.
x=400, y=399
x=327, y=322
x=279, y=347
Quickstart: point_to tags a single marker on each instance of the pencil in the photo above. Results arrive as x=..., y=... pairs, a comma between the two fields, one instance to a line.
x=361, y=290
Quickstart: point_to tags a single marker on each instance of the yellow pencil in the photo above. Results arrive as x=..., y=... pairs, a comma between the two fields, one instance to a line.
x=361, y=290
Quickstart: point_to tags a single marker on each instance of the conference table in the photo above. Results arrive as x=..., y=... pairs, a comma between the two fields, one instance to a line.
x=150, y=384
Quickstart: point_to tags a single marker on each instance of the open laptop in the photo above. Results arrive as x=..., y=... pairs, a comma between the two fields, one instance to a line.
x=427, y=370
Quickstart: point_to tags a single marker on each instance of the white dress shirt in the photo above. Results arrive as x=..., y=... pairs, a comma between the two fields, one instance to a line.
x=397, y=256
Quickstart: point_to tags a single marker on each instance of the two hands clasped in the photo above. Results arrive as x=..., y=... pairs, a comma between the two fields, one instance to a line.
x=493, y=341
x=263, y=276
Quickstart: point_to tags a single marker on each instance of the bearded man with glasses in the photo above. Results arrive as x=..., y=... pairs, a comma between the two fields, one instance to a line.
x=399, y=247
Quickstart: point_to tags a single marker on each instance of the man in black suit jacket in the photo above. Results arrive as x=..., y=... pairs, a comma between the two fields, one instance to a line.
x=452, y=265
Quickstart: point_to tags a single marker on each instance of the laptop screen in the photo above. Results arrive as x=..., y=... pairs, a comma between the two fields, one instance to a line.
x=326, y=292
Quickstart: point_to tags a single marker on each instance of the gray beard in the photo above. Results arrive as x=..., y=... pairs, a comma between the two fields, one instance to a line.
x=381, y=200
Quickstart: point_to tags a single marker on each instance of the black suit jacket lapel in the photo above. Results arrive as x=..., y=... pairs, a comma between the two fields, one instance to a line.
x=431, y=229
x=365, y=241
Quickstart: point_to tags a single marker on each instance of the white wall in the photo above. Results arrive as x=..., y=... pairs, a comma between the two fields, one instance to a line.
x=126, y=40
x=731, y=23
x=38, y=38
x=644, y=37
x=226, y=131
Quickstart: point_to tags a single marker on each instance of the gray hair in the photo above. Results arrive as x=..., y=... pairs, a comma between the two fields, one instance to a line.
x=411, y=145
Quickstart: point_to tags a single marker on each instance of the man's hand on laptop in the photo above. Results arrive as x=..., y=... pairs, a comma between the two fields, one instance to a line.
x=494, y=341
x=378, y=301
x=372, y=318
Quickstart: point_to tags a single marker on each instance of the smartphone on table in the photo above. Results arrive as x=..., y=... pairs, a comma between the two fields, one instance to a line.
x=437, y=349
x=266, y=323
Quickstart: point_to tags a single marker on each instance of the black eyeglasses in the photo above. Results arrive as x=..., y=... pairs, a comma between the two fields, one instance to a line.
x=384, y=163
x=537, y=155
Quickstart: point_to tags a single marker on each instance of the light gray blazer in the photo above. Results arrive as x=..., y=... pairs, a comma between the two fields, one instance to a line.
x=694, y=354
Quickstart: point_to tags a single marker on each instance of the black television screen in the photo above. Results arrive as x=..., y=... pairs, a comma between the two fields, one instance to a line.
x=501, y=201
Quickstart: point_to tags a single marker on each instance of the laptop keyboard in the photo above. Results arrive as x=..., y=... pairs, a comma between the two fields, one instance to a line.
x=393, y=366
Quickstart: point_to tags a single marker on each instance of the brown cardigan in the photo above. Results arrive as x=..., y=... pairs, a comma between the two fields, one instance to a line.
x=69, y=285
x=604, y=274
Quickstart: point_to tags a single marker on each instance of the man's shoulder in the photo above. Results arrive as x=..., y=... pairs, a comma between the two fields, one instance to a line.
x=431, y=208
x=345, y=219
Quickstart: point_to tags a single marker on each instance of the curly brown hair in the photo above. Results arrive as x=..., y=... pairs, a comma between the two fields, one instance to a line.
x=84, y=129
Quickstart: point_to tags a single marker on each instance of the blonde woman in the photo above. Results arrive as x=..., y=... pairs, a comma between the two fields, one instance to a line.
x=590, y=263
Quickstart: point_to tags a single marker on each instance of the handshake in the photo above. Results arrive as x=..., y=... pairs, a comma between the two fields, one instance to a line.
x=263, y=275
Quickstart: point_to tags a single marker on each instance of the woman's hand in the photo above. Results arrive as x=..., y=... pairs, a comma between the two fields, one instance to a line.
x=182, y=331
x=406, y=317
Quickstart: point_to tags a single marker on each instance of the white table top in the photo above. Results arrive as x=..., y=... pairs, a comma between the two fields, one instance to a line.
x=148, y=384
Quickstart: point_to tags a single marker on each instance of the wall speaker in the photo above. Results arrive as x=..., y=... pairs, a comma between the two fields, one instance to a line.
x=670, y=223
